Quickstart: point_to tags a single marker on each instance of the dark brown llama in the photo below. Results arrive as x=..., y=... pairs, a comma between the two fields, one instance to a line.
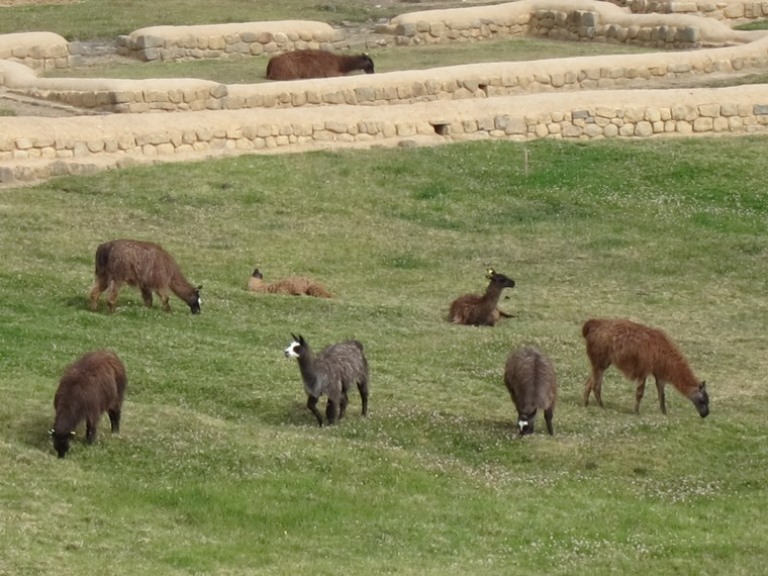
x=331, y=373
x=300, y=64
x=145, y=266
x=92, y=385
x=292, y=286
x=639, y=351
x=476, y=310
x=532, y=383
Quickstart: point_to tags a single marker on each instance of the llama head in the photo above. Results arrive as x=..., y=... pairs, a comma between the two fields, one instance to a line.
x=257, y=274
x=296, y=348
x=700, y=399
x=61, y=441
x=525, y=423
x=499, y=279
x=195, y=301
x=367, y=63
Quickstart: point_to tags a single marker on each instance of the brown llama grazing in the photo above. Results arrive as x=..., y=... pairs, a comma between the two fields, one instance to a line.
x=476, y=310
x=331, y=373
x=92, y=385
x=145, y=266
x=292, y=286
x=639, y=351
x=531, y=381
x=300, y=64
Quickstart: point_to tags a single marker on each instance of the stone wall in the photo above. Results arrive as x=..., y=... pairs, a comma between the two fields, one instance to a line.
x=35, y=148
x=36, y=50
x=729, y=10
x=474, y=81
x=575, y=20
x=235, y=40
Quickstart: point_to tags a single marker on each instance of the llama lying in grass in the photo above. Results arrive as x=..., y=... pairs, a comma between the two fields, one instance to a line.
x=531, y=381
x=300, y=64
x=145, y=266
x=476, y=310
x=293, y=286
x=639, y=351
x=332, y=373
x=92, y=385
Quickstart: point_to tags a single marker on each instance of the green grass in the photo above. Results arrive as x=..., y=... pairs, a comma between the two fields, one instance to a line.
x=251, y=70
x=219, y=468
x=87, y=19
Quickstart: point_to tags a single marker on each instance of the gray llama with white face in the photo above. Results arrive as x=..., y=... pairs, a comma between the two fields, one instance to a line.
x=531, y=381
x=331, y=373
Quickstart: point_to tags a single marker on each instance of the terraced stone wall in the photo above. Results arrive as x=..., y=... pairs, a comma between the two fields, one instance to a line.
x=235, y=40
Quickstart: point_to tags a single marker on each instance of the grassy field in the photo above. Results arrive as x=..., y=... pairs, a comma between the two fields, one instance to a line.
x=219, y=467
x=252, y=70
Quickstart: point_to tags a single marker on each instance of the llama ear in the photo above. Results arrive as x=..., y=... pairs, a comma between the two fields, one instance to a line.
x=295, y=338
x=703, y=386
x=199, y=287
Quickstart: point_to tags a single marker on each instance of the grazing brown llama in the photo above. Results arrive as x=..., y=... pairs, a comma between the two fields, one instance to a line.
x=639, y=351
x=332, y=373
x=475, y=310
x=292, y=286
x=145, y=266
x=92, y=385
x=300, y=64
x=531, y=381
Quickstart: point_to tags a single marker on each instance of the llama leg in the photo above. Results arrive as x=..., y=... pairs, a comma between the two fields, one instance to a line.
x=662, y=399
x=594, y=384
x=146, y=295
x=343, y=404
x=90, y=430
x=362, y=387
x=548, y=413
x=330, y=411
x=164, y=297
x=95, y=294
x=114, y=290
x=114, y=419
x=639, y=392
x=587, y=389
x=312, y=405
x=597, y=386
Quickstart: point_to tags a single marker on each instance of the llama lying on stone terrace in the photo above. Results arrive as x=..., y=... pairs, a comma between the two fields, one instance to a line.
x=476, y=310
x=639, y=351
x=531, y=381
x=145, y=266
x=332, y=373
x=292, y=286
x=300, y=64
x=92, y=385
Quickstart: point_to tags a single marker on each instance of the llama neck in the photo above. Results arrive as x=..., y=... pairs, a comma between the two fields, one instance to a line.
x=491, y=297
x=350, y=63
x=311, y=384
x=677, y=372
x=182, y=288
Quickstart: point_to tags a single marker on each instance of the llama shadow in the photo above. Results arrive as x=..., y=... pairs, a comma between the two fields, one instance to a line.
x=34, y=432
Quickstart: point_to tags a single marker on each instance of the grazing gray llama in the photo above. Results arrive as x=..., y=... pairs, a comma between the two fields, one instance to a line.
x=331, y=373
x=531, y=381
x=92, y=385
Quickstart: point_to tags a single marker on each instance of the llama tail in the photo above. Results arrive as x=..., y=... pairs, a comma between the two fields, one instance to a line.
x=589, y=325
